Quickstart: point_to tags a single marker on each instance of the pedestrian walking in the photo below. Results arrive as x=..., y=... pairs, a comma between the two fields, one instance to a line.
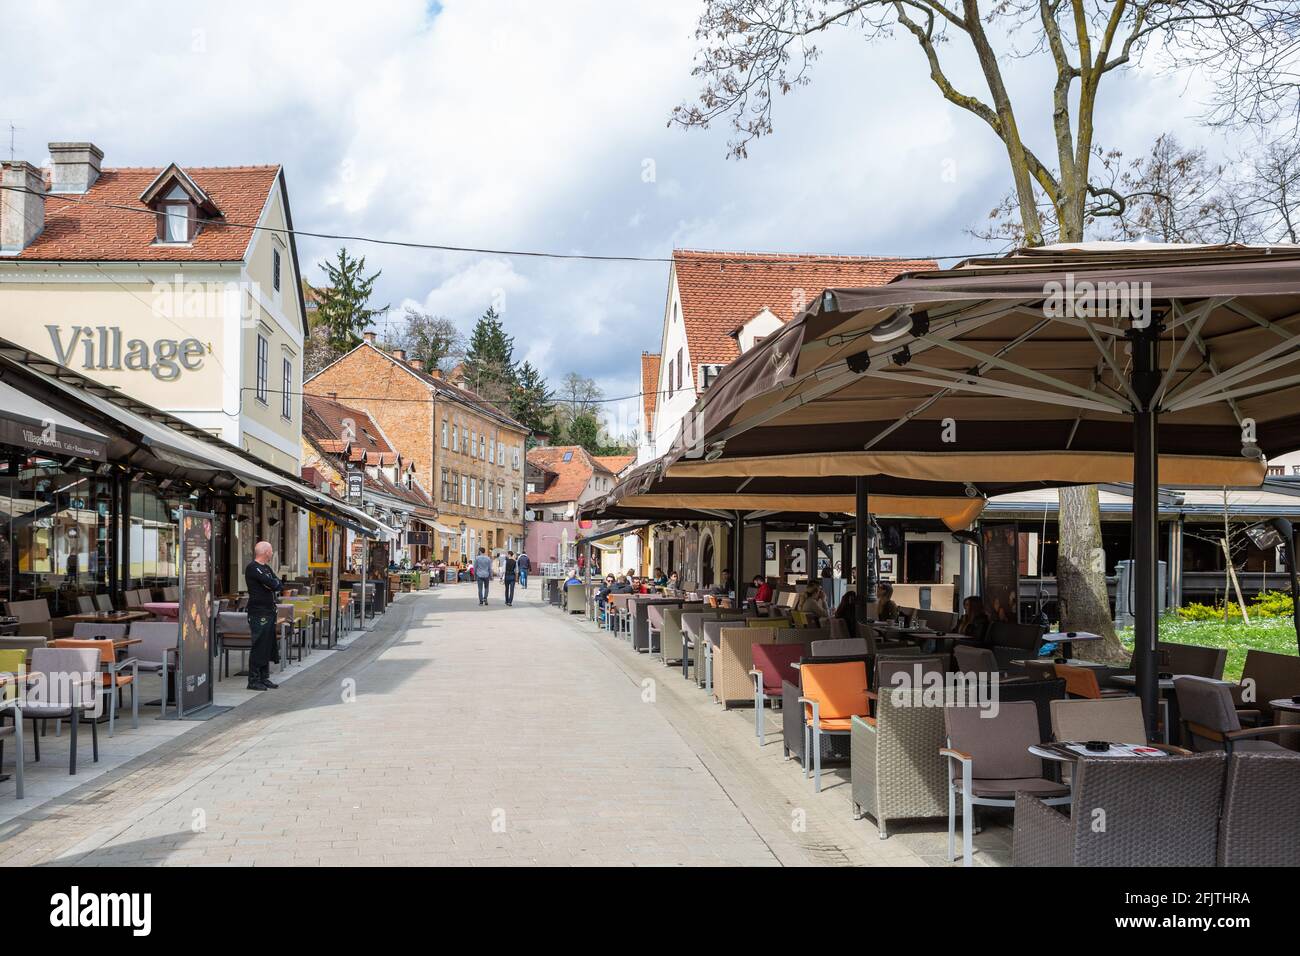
x=508, y=577
x=524, y=565
x=483, y=574
x=263, y=591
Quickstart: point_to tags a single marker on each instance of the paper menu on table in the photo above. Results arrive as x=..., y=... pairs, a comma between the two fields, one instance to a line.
x=1117, y=750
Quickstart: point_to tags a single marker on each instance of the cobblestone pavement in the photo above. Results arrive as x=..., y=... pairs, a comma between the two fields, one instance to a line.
x=454, y=734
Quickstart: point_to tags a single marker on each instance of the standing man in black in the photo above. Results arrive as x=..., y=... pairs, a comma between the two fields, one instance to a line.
x=263, y=592
x=511, y=571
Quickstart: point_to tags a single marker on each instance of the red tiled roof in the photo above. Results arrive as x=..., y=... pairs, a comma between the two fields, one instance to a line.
x=327, y=421
x=615, y=463
x=720, y=291
x=91, y=227
x=649, y=388
x=571, y=477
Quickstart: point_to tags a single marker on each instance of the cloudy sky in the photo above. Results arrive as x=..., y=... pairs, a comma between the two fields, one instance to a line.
x=537, y=126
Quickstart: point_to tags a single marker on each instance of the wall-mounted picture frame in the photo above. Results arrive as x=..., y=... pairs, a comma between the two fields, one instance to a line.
x=769, y=551
x=886, y=565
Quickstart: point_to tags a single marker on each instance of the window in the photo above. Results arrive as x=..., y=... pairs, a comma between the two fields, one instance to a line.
x=263, y=358
x=473, y=487
x=514, y=499
x=482, y=447
x=516, y=459
x=286, y=396
x=709, y=374
x=444, y=433
x=275, y=269
x=446, y=485
x=464, y=441
x=501, y=454
x=568, y=456
x=492, y=449
x=464, y=490
x=178, y=222
x=481, y=489
x=670, y=378
x=680, y=364
x=472, y=440
x=501, y=497
x=455, y=441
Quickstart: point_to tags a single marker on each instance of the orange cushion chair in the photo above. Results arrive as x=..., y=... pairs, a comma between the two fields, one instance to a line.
x=833, y=694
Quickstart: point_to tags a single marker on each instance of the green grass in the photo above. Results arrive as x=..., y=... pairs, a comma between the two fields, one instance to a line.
x=1276, y=634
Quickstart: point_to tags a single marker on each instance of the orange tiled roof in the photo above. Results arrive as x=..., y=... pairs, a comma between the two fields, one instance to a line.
x=92, y=227
x=571, y=477
x=720, y=291
x=649, y=388
x=336, y=427
x=615, y=463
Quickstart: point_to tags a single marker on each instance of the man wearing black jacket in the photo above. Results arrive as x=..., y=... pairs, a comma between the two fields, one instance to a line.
x=263, y=595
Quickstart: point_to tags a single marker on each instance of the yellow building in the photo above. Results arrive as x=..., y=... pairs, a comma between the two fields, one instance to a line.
x=154, y=282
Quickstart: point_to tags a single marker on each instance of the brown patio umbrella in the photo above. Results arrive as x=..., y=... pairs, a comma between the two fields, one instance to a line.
x=1076, y=364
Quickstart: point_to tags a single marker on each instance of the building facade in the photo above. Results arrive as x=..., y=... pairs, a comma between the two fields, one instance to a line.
x=559, y=479
x=467, y=452
x=176, y=286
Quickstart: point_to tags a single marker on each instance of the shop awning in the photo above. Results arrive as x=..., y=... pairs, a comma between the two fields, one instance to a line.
x=143, y=436
x=31, y=424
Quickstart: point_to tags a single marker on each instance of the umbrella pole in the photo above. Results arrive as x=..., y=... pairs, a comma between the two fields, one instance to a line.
x=1146, y=541
x=738, y=559
x=862, y=558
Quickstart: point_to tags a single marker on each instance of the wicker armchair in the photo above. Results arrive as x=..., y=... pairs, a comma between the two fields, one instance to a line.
x=1265, y=677
x=989, y=763
x=1157, y=812
x=672, y=641
x=895, y=773
x=1260, y=823
x=734, y=658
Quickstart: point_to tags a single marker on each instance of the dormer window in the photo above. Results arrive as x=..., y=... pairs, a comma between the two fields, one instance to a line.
x=180, y=204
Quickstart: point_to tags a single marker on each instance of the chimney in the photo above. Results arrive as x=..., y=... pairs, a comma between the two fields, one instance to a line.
x=435, y=372
x=399, y=354
x=417, y=364
x=22, y=213
x=74, y=167
x=369, y=337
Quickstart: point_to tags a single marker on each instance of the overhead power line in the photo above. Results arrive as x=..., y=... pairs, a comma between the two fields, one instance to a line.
x=774, y=258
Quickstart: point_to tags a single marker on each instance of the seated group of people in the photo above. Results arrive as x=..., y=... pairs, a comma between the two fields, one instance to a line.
x=973, y=623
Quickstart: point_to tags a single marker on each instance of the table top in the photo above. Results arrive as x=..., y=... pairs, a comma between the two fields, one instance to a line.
x=1166, y=683
x=919, y=630
x=107, y=617
x=1071, y=661
x=1063, y=751
x=1072, y=637
x=1285, y=703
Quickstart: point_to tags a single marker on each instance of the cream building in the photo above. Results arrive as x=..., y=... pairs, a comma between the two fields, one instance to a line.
x=178, y=286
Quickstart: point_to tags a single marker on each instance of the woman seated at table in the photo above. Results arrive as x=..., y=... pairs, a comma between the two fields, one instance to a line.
x=848, y=607
x=813, y=601
x=974, y=622
x=674, y=582
x=661, y=579
x=886, y=609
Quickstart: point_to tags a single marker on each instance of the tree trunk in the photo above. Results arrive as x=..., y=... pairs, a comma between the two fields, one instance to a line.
x=1081, y=574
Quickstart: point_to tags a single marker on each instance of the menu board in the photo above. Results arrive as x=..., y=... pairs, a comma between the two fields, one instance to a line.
x=1001, y=562
x=194, y=679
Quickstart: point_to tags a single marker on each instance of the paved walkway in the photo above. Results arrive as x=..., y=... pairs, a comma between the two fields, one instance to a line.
x=454, y=734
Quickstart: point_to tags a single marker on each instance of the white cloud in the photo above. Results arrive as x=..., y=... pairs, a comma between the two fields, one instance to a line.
x=525, y=125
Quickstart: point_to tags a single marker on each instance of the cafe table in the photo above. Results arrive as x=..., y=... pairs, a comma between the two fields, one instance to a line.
x=108, y=617
x=1286, y=712
x=171, y=610
x=1067, y=639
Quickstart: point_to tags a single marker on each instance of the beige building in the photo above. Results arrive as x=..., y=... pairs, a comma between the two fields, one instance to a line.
x=468, y=453
x=177, y=286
